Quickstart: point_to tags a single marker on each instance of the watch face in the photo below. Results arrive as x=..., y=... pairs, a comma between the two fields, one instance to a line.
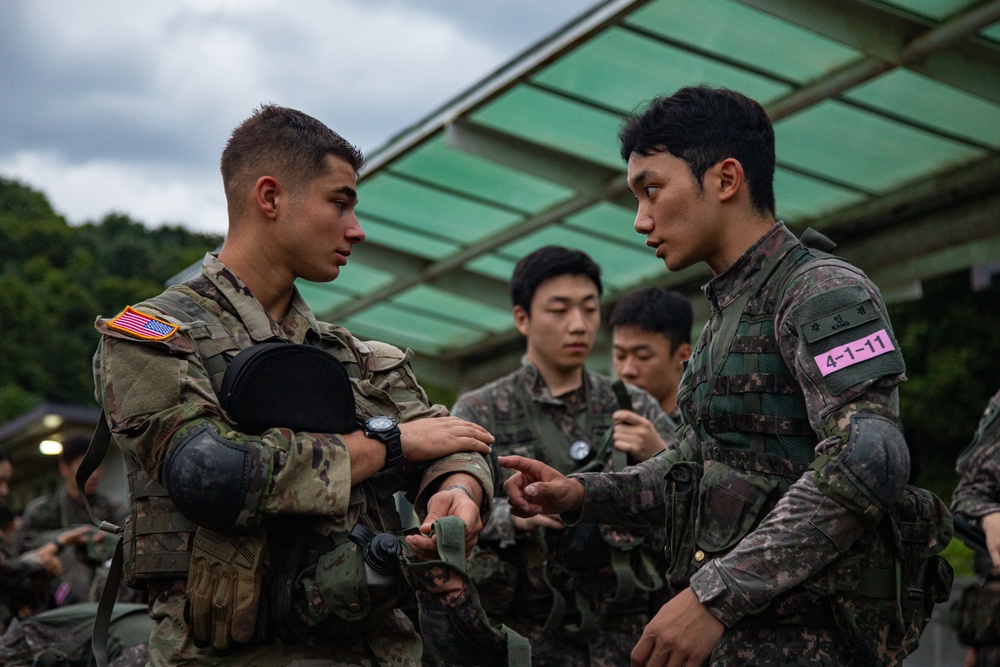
x=579, y=450
x=381, y=423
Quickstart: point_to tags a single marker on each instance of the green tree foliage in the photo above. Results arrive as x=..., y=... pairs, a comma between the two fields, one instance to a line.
x=55, y=279
x=950, y=343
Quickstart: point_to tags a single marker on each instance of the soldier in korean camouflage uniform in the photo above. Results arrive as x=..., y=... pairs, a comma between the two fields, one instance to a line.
x=206, y=496
x=554, y=410
x=49, y=515
x=977, y=499
x=791, y=453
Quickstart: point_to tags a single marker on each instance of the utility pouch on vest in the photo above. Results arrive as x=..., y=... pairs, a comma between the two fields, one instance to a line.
x=892, y=578
x=681, y=490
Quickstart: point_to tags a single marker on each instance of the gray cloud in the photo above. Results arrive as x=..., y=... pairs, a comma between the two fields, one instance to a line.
x=125, y=106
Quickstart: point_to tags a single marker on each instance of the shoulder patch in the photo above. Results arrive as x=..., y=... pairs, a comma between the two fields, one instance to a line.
x=144, y=326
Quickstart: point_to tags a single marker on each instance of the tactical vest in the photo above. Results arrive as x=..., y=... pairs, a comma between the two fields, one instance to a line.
x=749, y=418
x=157, y=537
x=521, y=426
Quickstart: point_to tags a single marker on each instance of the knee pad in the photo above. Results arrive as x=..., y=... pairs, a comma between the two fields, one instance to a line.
x=869, y=473
x=211, y=479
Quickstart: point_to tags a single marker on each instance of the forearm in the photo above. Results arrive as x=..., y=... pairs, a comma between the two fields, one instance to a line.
x=634, y=496
x=771, y=559
x=466, y=469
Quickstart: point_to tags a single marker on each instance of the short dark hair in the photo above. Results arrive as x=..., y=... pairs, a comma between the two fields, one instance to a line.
x=282, y=142
x=7, y=515
x=550, y=262
x=74, y=448
x=703, y=126
x=4, y=456
x=656, y=310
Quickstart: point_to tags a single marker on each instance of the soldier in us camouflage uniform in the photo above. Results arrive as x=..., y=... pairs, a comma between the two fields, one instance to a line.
x=554, y=410
x=977, y=498
x=791, y=451
x=49, y=515
x=206, y=496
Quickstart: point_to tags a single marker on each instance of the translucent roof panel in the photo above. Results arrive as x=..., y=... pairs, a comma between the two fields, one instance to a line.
x=863, y=149
x=555, y=122
x=435, y=163
x=322, y=297
x=594, y=71
x=456, y=309
x=404, y=328
x=993, y=32
x=799, y=197
x=608, y=220
x=493, y=265
x=424, y=245
x=934, y=9
x=620, y=264
x=357, y=278
x=741, y=33
x=910, y=95
x=422, y=208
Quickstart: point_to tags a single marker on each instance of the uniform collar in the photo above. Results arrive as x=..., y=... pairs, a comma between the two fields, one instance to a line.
x=534, y=385
x=731, y=283
x=294, y=328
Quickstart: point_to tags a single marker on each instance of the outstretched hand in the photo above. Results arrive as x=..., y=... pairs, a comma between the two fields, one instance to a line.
x=539, y=489
x=429, y=439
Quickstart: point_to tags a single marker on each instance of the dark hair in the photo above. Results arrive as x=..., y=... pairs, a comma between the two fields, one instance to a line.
x=550, y=262
x=7, y=516
x=74, y=448
x=4, y=456
x=703, y=126
x=282, y=142
x=656, y=310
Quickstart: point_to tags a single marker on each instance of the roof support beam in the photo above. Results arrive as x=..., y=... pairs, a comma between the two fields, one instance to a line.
x=570, y=171
x=891, y=39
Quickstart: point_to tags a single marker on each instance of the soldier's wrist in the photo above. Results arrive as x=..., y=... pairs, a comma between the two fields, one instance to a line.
x=59, y=546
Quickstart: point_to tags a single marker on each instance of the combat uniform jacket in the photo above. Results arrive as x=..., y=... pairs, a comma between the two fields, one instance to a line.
x=45, y=517
x=526, y=420
x=745, y=577
x=156, y=392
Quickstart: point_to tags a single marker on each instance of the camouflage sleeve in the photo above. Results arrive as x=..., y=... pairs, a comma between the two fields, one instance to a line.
x=632, y=498
x=156, y=393
x=39, y=517
x=644, y=405
x=813, y=341
x=392, y=375
x=978, y=490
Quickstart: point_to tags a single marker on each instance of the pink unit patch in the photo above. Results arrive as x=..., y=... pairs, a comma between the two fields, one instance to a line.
x=854, y=352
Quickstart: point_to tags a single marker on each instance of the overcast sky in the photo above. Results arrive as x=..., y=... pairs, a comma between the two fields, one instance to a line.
x=125, y=106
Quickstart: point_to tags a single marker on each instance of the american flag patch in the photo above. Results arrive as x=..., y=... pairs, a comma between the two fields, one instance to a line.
x=144, y=326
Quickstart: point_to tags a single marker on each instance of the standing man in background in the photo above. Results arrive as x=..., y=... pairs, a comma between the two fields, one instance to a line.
x=651, y=340
x=46, y=516
x=580, y=595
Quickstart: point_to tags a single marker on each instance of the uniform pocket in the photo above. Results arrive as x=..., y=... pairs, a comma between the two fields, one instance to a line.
x=731, y=504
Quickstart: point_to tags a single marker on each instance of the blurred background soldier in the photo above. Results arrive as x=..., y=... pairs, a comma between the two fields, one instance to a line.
x=47, y=516
x=530, y=571
x=977, y=499
x=650, y=341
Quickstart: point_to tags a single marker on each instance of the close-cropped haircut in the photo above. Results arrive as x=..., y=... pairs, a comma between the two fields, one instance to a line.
x=702, y=126
x=4, y=456
x=284, y=143
x=550, y=262
x=656, y=310
x=74, y=448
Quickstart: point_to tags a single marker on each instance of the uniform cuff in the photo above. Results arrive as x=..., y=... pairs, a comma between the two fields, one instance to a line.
x=715, y=591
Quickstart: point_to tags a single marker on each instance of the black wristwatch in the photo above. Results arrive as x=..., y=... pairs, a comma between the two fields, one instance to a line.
x=386, y=430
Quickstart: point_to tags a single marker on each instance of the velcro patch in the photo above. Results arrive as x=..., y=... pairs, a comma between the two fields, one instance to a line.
x=847, y=318
x=854, y=352
x=142, y=325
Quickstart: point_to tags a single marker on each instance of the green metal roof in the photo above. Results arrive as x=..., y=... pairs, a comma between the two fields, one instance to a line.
x=882, y=110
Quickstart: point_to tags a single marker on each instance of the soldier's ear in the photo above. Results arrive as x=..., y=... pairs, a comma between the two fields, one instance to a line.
x=522, y=320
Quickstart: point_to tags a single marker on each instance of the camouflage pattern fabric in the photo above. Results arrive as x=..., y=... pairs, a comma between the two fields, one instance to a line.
x=47, y=516
x=506, y=565
x=769, y=562
x=978, y=493
x=156, y=392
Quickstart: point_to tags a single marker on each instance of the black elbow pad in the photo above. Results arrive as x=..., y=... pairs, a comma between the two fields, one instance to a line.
x=212, y=480
x=869, y=473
